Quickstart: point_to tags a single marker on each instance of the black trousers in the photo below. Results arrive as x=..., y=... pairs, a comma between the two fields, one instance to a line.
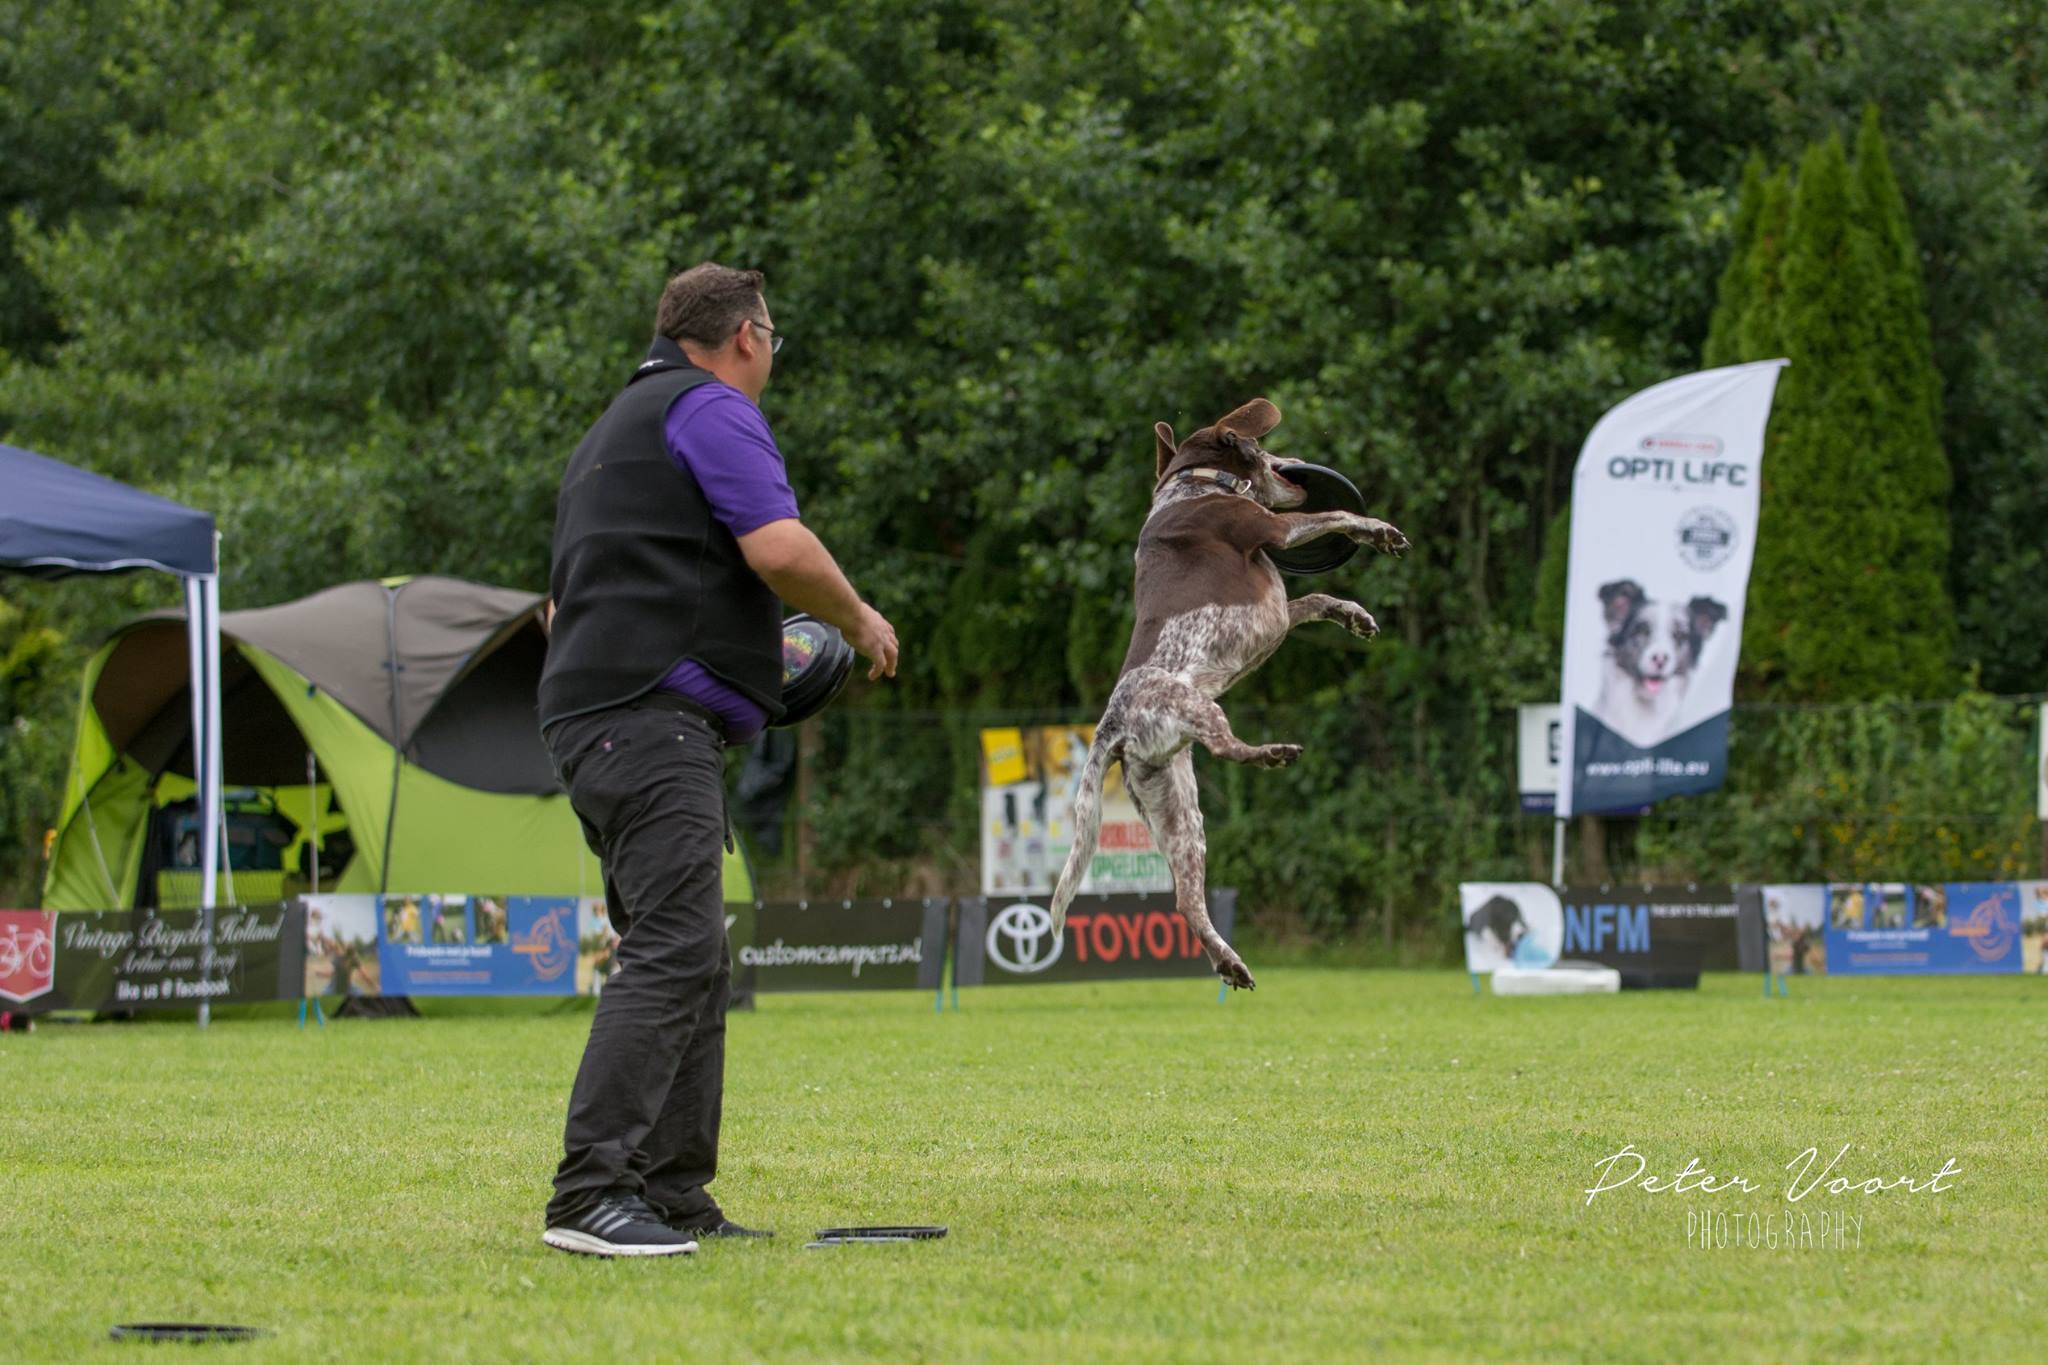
x=648, y=784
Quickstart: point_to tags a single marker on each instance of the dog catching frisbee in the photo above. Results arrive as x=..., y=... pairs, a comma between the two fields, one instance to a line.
x=1227, y=515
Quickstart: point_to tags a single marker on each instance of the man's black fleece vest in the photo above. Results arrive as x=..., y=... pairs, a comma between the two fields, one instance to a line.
x=644, y=575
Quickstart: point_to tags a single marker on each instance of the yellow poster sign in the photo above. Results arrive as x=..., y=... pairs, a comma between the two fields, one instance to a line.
x=1028, y=778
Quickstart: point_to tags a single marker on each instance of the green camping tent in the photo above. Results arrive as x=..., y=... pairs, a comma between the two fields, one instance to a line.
x=415, y=698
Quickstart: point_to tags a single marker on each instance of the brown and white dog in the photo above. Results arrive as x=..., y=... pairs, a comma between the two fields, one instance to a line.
x=1211, y=609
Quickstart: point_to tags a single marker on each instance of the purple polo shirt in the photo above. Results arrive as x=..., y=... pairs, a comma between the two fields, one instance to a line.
x=719, y=438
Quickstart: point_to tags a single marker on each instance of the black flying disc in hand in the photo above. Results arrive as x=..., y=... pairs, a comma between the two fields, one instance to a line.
x=1328, y=491
x=816, y=662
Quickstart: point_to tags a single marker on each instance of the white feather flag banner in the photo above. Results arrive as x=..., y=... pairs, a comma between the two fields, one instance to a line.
x=1663, y=530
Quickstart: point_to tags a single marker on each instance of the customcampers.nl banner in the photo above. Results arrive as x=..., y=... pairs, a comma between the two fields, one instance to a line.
x=1664, y=514
x=895, y=944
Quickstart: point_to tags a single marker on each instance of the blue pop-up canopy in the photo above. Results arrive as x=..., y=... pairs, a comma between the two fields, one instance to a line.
x=57, y=520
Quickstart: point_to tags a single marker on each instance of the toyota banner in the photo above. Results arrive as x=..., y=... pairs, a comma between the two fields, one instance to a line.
x=1663, y=529
x=1107, y=937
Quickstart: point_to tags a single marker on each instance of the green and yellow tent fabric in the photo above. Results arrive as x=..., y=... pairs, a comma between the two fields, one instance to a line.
x=416, y=699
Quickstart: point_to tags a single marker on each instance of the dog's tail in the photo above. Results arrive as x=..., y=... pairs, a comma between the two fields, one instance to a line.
x=1087, y=823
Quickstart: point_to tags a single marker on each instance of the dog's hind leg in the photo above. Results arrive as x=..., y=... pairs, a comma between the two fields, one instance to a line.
x=1167, y=797
x=1179, y=712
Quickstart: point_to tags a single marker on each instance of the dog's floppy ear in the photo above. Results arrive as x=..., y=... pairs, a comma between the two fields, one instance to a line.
x=1620, y=598
x=1163, y=433
x=1704, y=613
x=1254, y=419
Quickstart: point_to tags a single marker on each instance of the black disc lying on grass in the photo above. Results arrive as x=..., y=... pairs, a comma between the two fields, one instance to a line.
x=1328, y=491
x=835, y=1237
x=184, y=1331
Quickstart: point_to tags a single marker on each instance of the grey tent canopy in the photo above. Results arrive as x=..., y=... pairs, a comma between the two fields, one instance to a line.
x=57, y=520
x=440, y=669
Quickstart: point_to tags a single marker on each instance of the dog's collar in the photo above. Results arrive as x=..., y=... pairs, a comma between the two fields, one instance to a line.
x=1222, y=478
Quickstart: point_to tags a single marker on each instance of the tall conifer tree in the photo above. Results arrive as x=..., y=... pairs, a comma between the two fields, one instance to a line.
x=1847, y=597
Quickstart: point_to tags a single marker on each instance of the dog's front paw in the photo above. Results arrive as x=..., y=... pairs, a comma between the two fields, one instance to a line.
x=1358, y=621
x=1275, y=755
x=1385, y=538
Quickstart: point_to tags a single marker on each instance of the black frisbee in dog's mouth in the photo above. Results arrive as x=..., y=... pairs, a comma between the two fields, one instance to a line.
x=1328, y=491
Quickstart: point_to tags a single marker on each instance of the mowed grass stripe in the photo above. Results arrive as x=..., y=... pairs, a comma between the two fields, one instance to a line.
x=1345, y=1164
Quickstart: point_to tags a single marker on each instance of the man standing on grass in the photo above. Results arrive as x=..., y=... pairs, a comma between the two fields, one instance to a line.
x=675, y=533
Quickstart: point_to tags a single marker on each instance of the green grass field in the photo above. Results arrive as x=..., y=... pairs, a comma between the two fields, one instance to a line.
x=1346, y=1165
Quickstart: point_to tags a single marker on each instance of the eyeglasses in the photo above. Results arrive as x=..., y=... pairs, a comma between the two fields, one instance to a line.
x=774, y=337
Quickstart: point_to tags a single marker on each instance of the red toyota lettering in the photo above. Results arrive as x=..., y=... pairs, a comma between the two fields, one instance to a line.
x=1076, y=932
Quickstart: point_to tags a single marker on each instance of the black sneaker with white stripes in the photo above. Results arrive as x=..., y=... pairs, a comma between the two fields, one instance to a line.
x=619, y=1225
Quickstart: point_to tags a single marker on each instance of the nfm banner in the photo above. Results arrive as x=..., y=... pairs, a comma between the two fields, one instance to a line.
x=1003, y=941
x=1028, y=778
x=1899, y=928
x=144, y=959
x=1663, y=528
x=1655, y=936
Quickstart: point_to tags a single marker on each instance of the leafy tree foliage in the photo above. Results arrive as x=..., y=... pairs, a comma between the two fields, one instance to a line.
x=357, y=275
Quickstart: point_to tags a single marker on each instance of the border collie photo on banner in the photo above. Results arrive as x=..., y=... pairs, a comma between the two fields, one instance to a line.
x=1663, y=529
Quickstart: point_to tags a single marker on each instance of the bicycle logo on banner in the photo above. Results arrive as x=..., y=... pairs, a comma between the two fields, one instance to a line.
x=28, y=954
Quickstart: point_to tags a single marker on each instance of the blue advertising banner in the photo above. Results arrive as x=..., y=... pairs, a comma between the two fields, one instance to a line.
x=1894, y=928
x=477, y=945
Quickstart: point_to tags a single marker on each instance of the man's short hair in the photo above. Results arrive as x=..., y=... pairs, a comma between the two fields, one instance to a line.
x=707, y=303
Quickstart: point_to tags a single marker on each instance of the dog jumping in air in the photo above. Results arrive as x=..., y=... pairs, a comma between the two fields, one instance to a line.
x=1211, y=608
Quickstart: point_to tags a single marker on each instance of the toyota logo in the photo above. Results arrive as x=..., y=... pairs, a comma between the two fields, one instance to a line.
x=1020, y=938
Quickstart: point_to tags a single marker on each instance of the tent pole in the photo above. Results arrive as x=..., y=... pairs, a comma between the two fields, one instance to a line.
x=195, y=642
x=391, y=592
x=92, y=828
x=313, y=818
x=210, y=800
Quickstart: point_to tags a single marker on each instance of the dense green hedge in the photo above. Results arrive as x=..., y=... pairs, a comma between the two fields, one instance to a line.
x=355, y=275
